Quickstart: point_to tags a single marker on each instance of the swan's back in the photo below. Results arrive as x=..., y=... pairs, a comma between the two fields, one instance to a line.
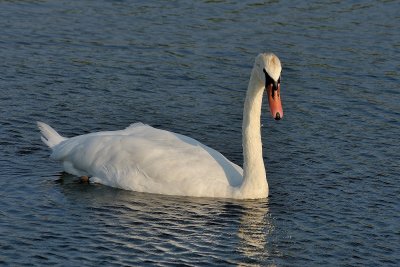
x=146, y=159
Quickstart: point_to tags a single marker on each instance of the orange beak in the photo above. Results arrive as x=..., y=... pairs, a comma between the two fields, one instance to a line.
x=274, y=100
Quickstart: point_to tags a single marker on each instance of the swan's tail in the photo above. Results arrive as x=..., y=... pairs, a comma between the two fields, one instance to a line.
x=49, y=136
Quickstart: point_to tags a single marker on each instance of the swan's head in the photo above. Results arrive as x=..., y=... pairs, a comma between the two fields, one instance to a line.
x=268, y=69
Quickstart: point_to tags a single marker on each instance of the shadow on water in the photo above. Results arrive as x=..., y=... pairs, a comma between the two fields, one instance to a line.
x=170, y=226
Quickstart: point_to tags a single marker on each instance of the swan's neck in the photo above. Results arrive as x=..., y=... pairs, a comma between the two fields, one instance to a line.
x=254, y=176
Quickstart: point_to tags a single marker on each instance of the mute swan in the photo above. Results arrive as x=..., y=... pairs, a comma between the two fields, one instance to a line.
x=145, y=159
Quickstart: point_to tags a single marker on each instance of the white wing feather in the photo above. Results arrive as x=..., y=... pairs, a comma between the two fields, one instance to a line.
x=145, y=159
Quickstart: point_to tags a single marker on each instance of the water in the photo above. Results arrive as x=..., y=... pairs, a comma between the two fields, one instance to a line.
x=332, y=163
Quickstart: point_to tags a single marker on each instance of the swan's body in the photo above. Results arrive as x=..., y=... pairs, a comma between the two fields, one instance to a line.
x=145, y=159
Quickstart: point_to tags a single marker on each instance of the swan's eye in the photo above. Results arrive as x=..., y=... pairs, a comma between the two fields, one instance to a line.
x=269, y=80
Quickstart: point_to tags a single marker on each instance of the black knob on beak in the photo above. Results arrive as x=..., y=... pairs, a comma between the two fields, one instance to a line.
x=277, y=116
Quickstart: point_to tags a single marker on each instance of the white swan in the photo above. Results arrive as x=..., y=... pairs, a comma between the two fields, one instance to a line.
x=145, y=159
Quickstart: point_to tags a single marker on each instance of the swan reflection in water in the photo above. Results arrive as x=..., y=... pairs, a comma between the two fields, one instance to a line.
x=168, y=228
x=255, y=230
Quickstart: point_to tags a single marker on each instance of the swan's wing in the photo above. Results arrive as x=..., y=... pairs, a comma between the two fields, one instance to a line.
x=142, y=158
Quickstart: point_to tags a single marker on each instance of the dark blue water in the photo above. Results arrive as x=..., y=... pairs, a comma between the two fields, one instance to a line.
x=333, y=163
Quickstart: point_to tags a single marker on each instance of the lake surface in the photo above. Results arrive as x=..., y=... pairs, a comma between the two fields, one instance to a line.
x=333, y=162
